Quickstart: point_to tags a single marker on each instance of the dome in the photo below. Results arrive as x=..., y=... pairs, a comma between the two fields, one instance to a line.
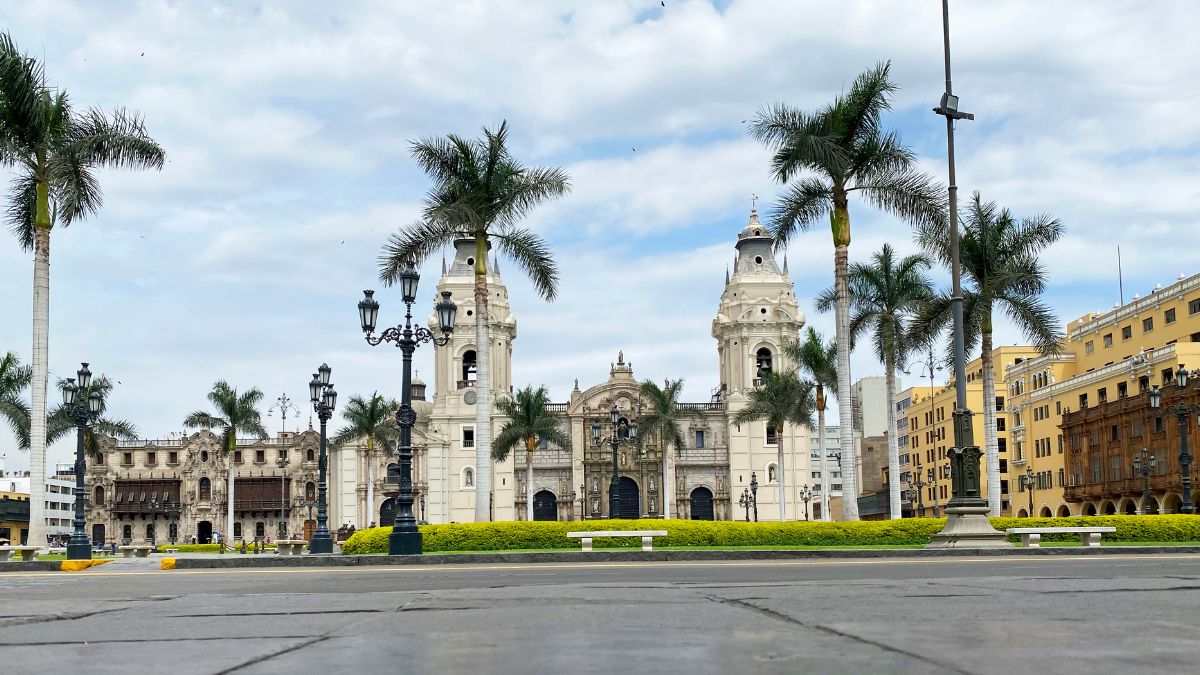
x=754, y=229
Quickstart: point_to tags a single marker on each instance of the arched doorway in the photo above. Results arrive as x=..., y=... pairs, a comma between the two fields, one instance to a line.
x=98, y=534
x=1110, y=509
x=545, y=505
x=1172, y=504
x=1128, y=507
x=1090, y=510
x=387, y=512
x=702, y=504
x=629, y=499
x=1064, y=511
x=204, y=532
x=1022, y=513
x=1045, y=513
x=1150, y=505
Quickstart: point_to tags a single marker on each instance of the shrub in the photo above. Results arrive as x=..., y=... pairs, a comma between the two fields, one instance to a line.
x=523, y=535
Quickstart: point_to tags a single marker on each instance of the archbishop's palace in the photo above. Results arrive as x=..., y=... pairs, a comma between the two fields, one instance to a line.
x=176, y=488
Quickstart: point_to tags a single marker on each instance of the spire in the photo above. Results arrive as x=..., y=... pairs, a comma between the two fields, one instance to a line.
x=496, y=265
x=443, y=263
x=727, y=275
x=785, y=269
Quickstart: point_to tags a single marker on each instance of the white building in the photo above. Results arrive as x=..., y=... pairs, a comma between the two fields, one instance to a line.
x=60, y=496
x=869, y=408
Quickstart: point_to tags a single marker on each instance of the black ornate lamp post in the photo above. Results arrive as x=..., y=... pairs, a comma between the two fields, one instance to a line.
x=936, y=506
x=1144, y=464
x=78, y=548
x=1029, y=487
x=624, y=433
x=405, y=538
x=918, y=486
x=582, y=502
x=744, y=502
x=806, y=497
x=324, y=400
x=754, y=494
x=282, y=463
x=1182, y=411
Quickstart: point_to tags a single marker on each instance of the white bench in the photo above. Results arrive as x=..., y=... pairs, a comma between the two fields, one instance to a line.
x=290, y=546
x=1031, y=537
x=137, y=551
x=646, y=535
x=28, y=553
x=171, y=550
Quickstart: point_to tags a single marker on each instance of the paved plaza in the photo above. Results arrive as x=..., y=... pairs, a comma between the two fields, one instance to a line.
x=1102, y=614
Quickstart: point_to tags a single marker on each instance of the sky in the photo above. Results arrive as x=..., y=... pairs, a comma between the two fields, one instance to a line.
x=287, y=128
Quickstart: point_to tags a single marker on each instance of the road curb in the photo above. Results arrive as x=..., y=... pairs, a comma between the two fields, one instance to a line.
x=661, y=556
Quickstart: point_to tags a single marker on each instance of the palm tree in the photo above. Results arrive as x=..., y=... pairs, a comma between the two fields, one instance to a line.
x=663, y=423
x=885, y=295
x=1001, y=268
x=14, y=377
x=479, y=191
x=529, y=421
x=841, y=149
x=61, y=420
x=373, y=420
x=55, y=151
x=236, y=413
x=783, y=398
x=818, y=359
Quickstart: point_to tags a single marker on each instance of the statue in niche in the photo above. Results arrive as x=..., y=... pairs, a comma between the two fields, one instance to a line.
x=622, y=458
x=595, y=484
x=652, y=509
x=595, y=505
x=652, y=482
x=771, y=474
x=680, y=484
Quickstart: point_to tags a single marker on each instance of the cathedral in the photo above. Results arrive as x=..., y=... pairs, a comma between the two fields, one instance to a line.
x=177, y=489
x=757, y=314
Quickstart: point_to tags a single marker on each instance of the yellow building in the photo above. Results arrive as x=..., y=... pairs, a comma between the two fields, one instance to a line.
x=1107, y=361
x=931, y=431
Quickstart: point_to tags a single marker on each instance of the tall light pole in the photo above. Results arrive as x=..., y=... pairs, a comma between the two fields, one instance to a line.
x=967, y=524
x=1143, y=465
x=623, y=433
x=405, y=538
x=806, y=496
x=324, y=399
x=78, y=548
x=1029, y=487
x=1182, y=412
x=918, y=486
x=282, y=463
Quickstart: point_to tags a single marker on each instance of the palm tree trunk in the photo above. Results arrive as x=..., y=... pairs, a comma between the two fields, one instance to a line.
x=483, y=389
x=41, y=371
x=824, y=464
x=780, y=470
x=228, y=539
x=841, y=274
x=991, y=447
x=893, y=441
x=528, y=482
x=370, y=486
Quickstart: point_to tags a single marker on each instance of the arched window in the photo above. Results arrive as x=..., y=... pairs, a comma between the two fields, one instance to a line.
x=762, y=363
x=98, y=495
x=310, y=456
x=260, y=529
x=237, y=530
x=127, y=532
x=469, y=369
x=310, y=491
x=150, y=532
x=205, y=489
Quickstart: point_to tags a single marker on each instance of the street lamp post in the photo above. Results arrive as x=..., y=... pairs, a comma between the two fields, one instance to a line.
x=324, y=400
x=405, y=538
x=624, y=433
x=918, y=487
x=78, y=548
x=582, y=502
x=967, y=523
x=744, y=502
x=1182, y=411
x=1143, y=465
x=282, y=463
x=1029, y=487
x=754, y=494
x=806, y=497
x=937, y=508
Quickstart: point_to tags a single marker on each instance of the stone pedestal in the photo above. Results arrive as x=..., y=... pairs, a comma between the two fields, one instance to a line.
x=968, y=527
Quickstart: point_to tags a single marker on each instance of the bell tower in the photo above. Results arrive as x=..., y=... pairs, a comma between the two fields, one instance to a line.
x=758, y=314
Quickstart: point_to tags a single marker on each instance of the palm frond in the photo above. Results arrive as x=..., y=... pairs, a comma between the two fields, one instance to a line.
x=119, y=142
x=22, y=99
x=416, y=243
x=800, y=206
x=20, y=211
x=913, y=196
x=532, y=255
x=203, y=420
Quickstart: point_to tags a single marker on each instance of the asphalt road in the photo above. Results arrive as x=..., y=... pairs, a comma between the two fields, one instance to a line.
x=1126, y=614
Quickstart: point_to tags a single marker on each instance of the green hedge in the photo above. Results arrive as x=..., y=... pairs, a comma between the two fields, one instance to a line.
x=518, y=535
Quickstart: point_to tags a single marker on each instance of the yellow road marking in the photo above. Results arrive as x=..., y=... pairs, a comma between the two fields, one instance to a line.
x=485, y=567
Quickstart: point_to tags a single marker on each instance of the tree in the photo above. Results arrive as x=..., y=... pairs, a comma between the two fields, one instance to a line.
x=783, y=398
x=55, y=151
x=663, y=423
x=529, y=421
x=885, y=295
x=826, y=156
x=14, y=377
x=374, y=420
x=479, y=191
x=818, y=359
x=235, y=413
x=61, y=420
x=1001, y=268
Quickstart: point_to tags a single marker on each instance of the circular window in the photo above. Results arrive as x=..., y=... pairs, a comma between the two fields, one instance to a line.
x=470, y=312
x=762, y=310
x=758, y=260
x=470, y=261
x=203, y=455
